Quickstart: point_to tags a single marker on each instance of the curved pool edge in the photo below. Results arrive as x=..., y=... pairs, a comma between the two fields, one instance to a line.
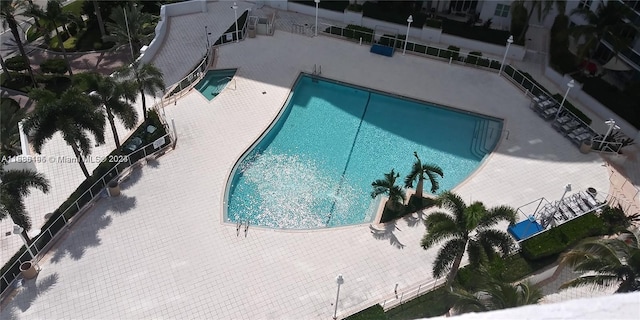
x=374, y=219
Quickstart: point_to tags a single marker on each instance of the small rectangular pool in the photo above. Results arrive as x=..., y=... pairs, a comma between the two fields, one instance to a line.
x=214, y=82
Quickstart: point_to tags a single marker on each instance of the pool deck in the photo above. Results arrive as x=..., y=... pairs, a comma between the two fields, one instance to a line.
x=161, y=249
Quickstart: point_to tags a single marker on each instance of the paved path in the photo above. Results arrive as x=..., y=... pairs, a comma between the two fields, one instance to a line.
x=162, y=250
x=105, y=62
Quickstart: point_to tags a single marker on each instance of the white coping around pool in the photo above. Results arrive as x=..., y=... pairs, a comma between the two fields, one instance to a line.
x=161, y=250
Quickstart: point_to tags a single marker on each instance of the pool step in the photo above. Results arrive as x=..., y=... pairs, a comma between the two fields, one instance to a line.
x=484, y=137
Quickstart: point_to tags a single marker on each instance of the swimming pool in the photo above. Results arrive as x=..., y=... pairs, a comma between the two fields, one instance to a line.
x=314, y=167
x=214, y=82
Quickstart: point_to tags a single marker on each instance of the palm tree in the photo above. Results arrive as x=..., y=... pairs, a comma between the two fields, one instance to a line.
x=73, y=115
x=9, y=12
x=465, y=228
x=388, y=187
x=12, y=114
x=115, y=97
x=129, y=26
x=418, y=171
x=148, y=79
x=495, y=295
x=542, y=8
x=96, y=9
x=14, y=186
x=606, y=262
x=54, y=16
x=610, y=21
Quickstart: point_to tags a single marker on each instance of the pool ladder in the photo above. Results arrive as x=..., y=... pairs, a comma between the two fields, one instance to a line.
x=317, y=70
x=235, y=85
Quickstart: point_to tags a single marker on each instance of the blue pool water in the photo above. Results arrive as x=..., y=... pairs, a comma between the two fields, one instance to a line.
x=314, y=167
x=214, y=81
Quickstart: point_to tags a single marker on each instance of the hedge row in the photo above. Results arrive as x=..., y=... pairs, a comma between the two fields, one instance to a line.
x=560, y=238
x=464, y=30
x=352, y=32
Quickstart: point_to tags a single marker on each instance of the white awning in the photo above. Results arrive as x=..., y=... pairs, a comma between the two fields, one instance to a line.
x=616, y=64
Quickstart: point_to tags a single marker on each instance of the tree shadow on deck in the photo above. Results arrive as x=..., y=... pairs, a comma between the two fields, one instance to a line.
x=387, y=233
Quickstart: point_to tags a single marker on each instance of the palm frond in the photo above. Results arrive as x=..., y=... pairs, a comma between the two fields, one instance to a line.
x=491, y=238
x=591, y=280
x=447, y=255
x=497, y=214
x=440, y=226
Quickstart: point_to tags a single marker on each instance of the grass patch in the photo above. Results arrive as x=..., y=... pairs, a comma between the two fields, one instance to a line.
x=431, y=304
x=374, y=312
x=560, y=238
x=74, y=8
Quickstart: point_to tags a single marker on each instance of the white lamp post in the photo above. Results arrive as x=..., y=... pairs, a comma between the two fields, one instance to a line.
x=18, y=230
x=567, y=188
x=612, y=125
x=235, y=15
x=206, y=34
x=409, y=20
x=339, y=281
x=317, y=2
x=509, y=42
x=570, y=85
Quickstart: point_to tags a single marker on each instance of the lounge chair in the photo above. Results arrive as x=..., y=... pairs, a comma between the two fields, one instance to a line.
x=577, y=140
x=570, y=126
x=549, y=113
x=589, y=200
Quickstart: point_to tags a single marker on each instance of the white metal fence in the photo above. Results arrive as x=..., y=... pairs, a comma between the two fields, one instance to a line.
x=52, y=230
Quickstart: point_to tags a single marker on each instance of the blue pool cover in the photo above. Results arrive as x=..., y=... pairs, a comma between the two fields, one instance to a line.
x=524, y=229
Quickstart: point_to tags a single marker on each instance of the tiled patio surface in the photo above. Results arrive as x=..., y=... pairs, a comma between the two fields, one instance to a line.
x=161, y=250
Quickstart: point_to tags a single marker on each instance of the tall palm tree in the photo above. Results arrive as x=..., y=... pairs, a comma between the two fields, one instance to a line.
x=495, y=295
x=465, y=228
x=542, y=8
x=388, y=187
x=134, y=30
x=96, y=9
x=148, y=79
x=14, y=186
x=115, y=97
x=610, y=21
x=606, y=262
x=54, y=16
x=9, y=11
x=73, y=115
x=12, y=114
x=418, y=171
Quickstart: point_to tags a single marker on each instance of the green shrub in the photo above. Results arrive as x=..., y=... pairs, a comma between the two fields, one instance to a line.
x=462, y=29
x=17, y=63
x=355, y=7
x=374, y=312
x=433, y=23
x=455, y=52
x=573, y=109
x=560, y=238
x=353, y=32
x=54, y=65
x=431, y=304
x=615, y=219
x=473, y=56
